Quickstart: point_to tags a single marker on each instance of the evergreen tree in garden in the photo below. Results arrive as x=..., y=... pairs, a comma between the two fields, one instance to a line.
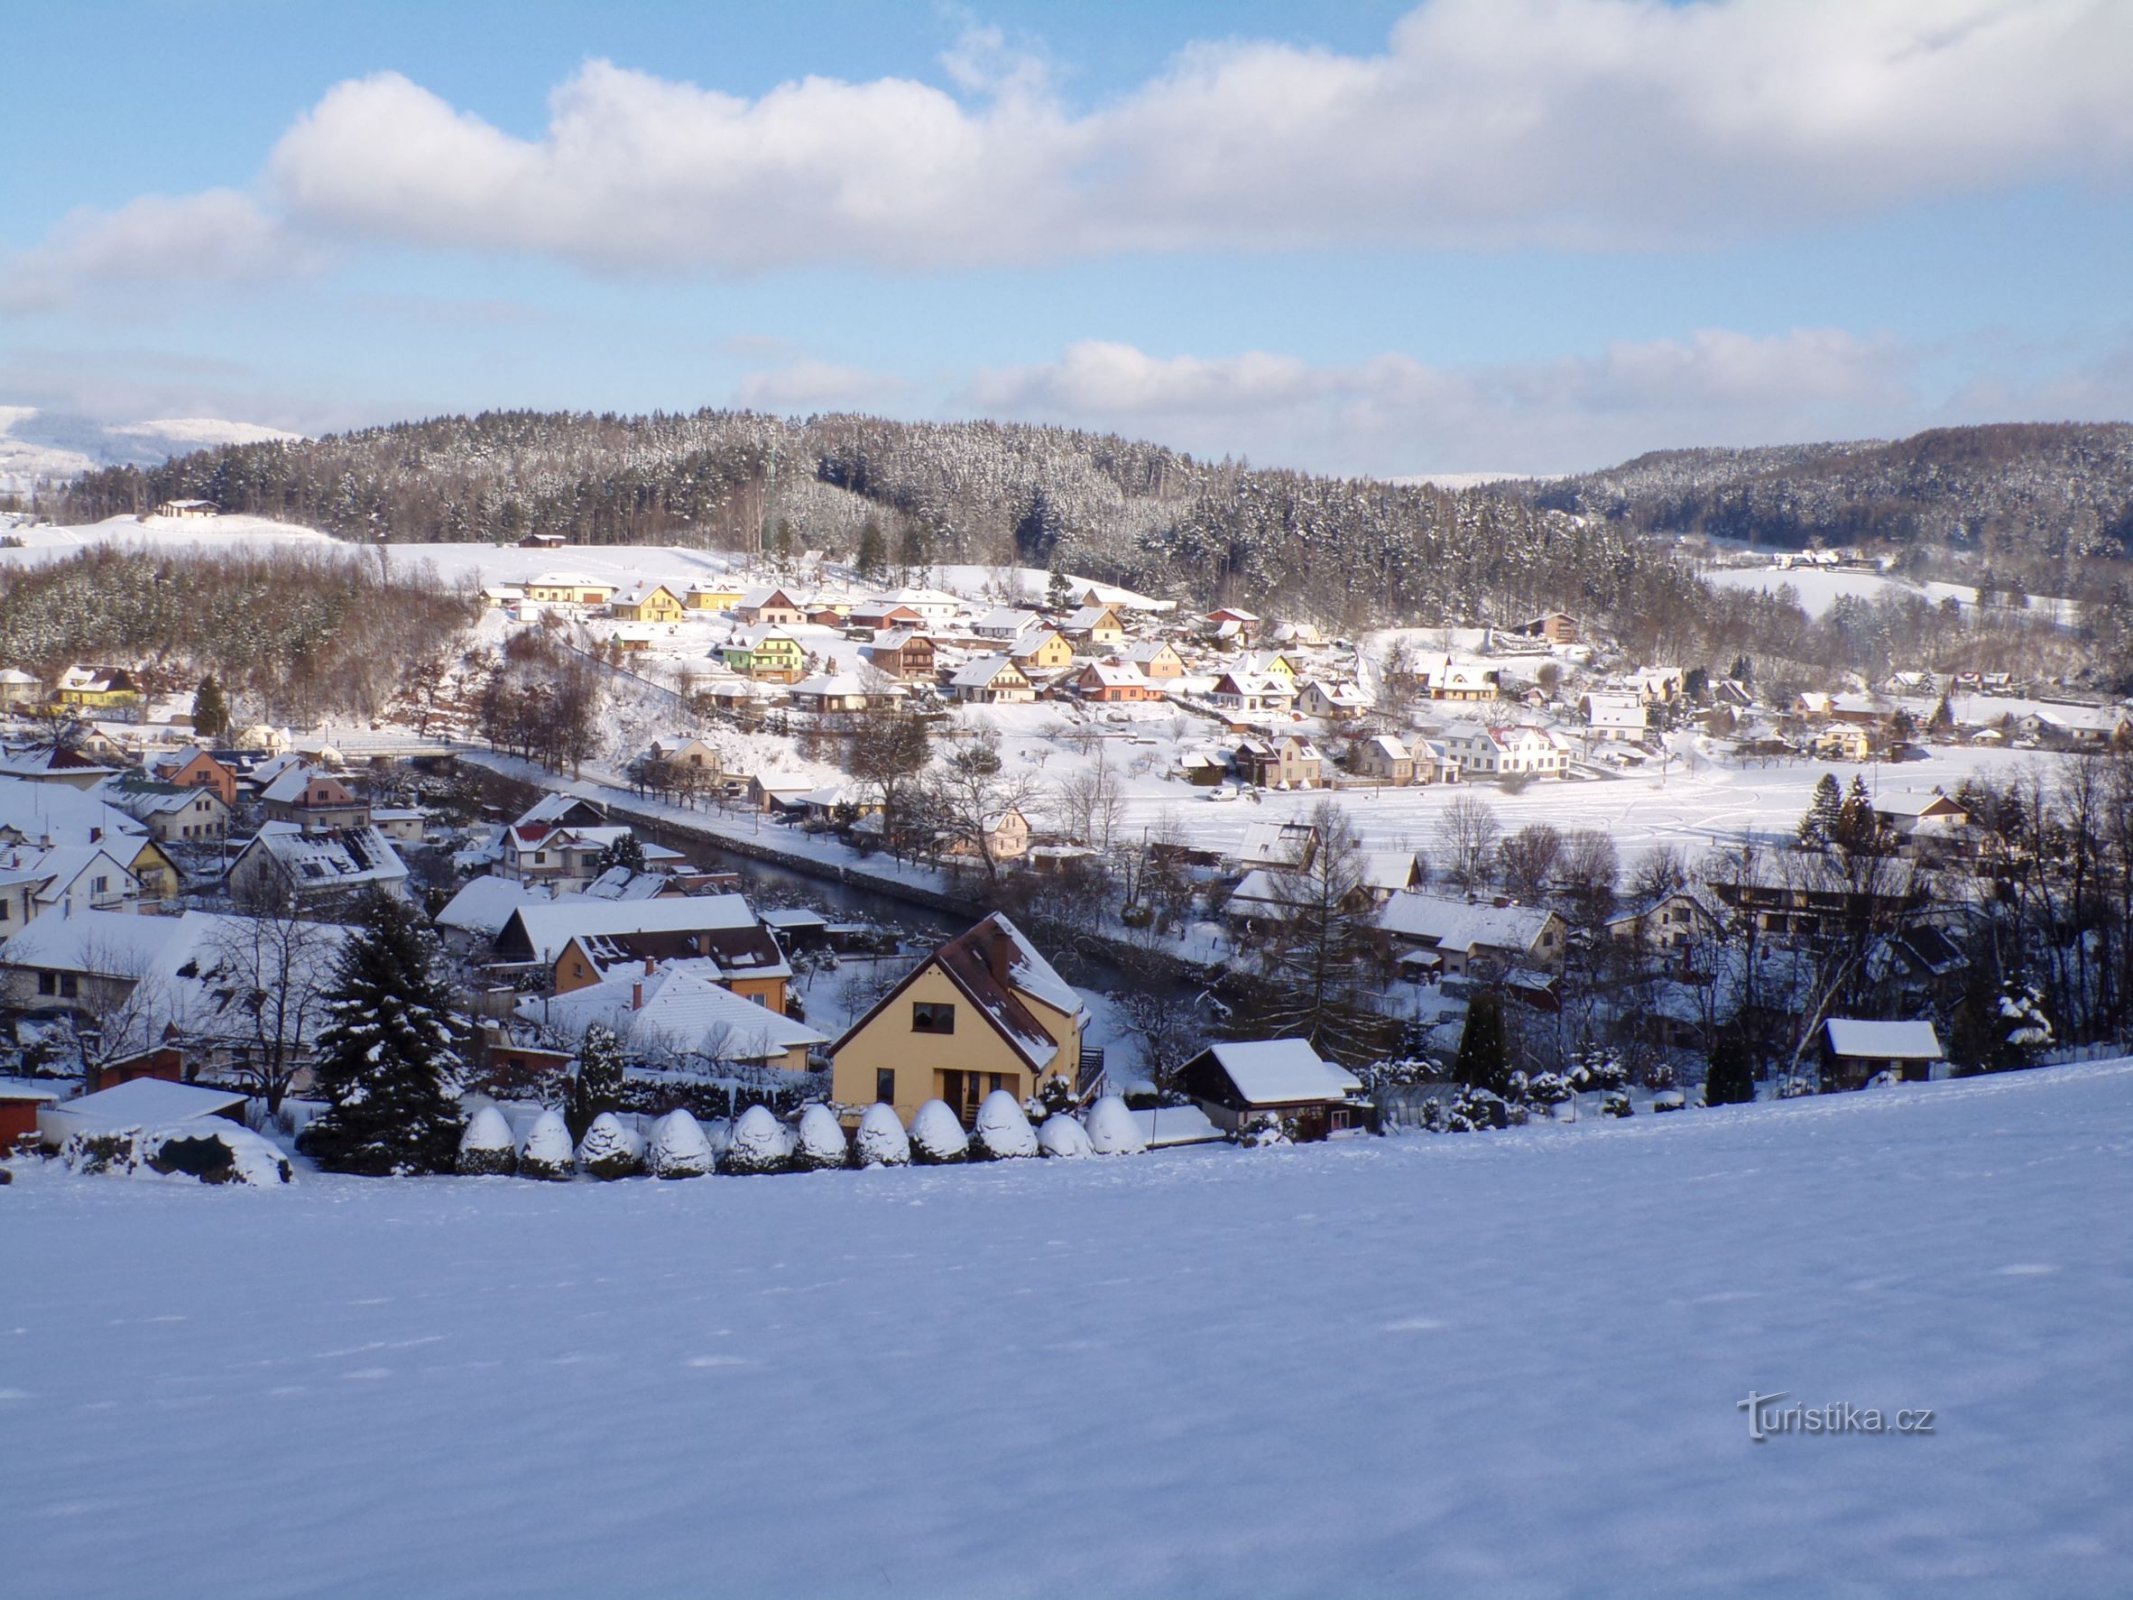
x=1819, y=825
x=1942, y=723
x=1481, y=1063
x=873, y=558
x=598, y=1086
x=211, y=712
x=622, y=851
x=1729, y=1081
x=1058, y=593
x=389, y=1056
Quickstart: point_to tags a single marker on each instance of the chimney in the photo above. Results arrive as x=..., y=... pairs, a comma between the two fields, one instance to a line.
x=636, y=997
x=999, y=954
x=651, y=966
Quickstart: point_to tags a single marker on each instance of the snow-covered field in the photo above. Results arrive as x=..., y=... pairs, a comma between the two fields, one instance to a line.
x=1818, y=590
x=1494, y=1364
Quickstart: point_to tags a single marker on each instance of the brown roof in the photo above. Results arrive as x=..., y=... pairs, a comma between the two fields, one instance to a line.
x=980, y=961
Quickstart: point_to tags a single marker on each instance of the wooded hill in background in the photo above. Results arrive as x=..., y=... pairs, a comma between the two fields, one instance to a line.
x=2013, y=492
x=1345, y=551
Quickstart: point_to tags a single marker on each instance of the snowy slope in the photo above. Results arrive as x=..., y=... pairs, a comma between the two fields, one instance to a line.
x=43, y=542
x=1491, y=1364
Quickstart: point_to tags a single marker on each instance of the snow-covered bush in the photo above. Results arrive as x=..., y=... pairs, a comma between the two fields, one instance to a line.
x=609, y=1150
x=210, y=1153
x=1112, y=1129
x=1669, y=1100
x=761, y=1143
x=1003, y=1132
x=936, y=1137
x=679, y=1148
x=487, y=1149
x=820, y=1143
x=546, y=1152
x=1598, y=1068
x=1263, y=1130
x=1617, y=1105
x=1060, y=1135
x=1475, y=1110
x=1548, y=1089
x=882, y=1140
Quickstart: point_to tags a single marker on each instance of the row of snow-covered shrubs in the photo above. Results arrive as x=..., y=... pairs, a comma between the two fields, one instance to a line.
x=757, y=1142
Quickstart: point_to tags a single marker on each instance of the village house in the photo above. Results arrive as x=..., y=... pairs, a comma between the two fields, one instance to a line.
x=1112, y=682
x=1005, y=622
x=1096, y=627
x=56, y=765
x=1451, y=937
x=1489, y=752
x=285, y=861
x=931, y=607
x=670, y=1017
x=97, y=691
x=569, y=589
x=2068, y=727
x=766, y=655
x=1252, y=696
x=1842, y=741
x=1158, y=659
x=1040, y=650
x=744, y=958
x=770, y=608
x=684, y=750
x=834, y=691
x=778, y=791
x=1007, y=838
x=1385, y=758
x=1279, y=846
x=903, y=654
x=67, y=878
x=709, y=594
x=314, y=801
x=654, y=603
x=1232, y=625
x=19, y=690
x=879, y=615
x=990, y=680
x=1443, y=678
x=195, y=767
x=983, y=1012
x=1240, y=1080
x=1557, y=627
x=1335, y=702
x=1623, y=717
x=1285, y=763
x=187, y=510
x=1658, y=686
x=1677, y=921
x=1920, y=818
x=170, y=814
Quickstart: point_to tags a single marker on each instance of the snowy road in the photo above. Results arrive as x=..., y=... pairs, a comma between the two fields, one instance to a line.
x=1503, y=1365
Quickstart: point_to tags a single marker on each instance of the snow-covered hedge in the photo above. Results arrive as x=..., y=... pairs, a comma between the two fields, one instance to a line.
x=546, y=1152
x=820, y=1141
x=936, y=1137
x=208, y=1152
x=487, y=1149
x=1060, y=1135
x=1003, y=1132
x=610, y=1150
x=679, y=1148
x=1263, y=1130
x=882, y=1141
x=1113, y=1130
x=761, y=1143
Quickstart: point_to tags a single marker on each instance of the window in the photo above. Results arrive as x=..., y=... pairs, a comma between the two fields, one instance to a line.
x=100, y=885
x=48, y=983
x=885, y=1085
x=760, y=1000
x=69, y=986
x=932, y=1016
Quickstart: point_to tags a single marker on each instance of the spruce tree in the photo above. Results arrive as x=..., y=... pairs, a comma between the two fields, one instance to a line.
x=622, y=851
x=1729, y=1080
x=872, y=561
x=1819, y=825
x=1481, y=1063
x=598, y=1085
x=1058, y=593
x=211, y=712
x=1942, y=723
x=389, y=1057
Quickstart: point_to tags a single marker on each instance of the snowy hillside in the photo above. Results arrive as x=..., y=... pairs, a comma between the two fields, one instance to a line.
x=48, y=446
x=1484, y=1364
x=41, y=542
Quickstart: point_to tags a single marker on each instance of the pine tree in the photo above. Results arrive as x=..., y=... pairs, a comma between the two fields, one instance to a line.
x=211, y=712
x=1728, y=1081
x=872, y=561
x=1942, y=723
x=598, y=1086
x=622, y=851
x=389, y=1057
x=1824, y=812
x=1058, y=593
x=1481, y=1063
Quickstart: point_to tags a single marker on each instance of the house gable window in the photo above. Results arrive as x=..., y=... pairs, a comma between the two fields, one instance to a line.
x=932, y=1016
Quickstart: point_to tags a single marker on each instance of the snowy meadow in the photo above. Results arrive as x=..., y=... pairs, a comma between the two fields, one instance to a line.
x=1505, y=1364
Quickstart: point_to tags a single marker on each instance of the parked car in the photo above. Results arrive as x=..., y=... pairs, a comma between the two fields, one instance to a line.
x=1223, y=791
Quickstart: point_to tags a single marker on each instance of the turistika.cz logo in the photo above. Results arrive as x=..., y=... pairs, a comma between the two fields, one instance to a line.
x=1769, y=1417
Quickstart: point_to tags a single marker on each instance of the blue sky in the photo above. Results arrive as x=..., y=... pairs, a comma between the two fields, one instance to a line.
x=1470, y=235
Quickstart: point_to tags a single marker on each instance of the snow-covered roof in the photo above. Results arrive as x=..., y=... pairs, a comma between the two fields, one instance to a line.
x=675, y=1010
x=144, y=1103
x=550, y=926
x=1282, y=1072
x=343, y=857
x=979, y=673
x=1883, y=1041
x=1457, y=925
x=483, y=905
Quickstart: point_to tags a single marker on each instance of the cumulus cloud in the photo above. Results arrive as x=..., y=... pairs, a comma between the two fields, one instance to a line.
x=1608, y=123
x=216, y=237
x=1393, y=414
x=810, y=385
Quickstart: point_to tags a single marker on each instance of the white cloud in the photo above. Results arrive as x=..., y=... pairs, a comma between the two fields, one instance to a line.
x=810, y=385
x=1393, y=414
x=1614, y=123
x=156, y=241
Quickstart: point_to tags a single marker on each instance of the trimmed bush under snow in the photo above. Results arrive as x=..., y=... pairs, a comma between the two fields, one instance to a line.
x=820, y=1143
x=679, y=1148
x=761, y=1143
x=207, y=1151
x=1003, y=1132
x=936, y=1137
x=882, y=1141
x=609, y=1150
x=1112, y=1129
x=1060, y=1135
x=546, y=1152
x=487, y=1149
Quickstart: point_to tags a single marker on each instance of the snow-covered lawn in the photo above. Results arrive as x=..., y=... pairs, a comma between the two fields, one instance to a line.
x=1490, y=1364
